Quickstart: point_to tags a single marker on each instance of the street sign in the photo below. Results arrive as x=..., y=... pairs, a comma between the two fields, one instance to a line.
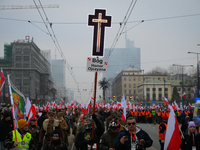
x=99, y=21
x=153, y=101
x=97, y=64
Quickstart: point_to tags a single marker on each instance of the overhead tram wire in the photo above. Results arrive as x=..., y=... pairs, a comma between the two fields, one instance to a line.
x=121, y=28
x=57, y=45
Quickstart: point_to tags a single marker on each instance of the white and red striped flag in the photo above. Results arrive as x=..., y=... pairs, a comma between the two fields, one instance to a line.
x=123, y=103
x=173, y=136
x=62, y=101
x=190, y=106
x=184, y=95
x=166, y=101
x=2, y=80
x=30, y=110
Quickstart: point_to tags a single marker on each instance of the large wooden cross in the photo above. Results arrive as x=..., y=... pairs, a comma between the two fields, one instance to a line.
x=99, y=21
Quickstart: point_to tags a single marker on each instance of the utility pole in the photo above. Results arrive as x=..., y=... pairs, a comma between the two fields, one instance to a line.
x=182, y=66
x=197, y=71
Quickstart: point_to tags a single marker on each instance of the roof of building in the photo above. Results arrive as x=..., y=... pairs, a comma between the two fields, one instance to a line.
x=132, y=69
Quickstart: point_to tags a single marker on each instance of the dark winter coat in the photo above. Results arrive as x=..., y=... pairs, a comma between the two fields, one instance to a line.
x=140, y=134
x=108, y=140
x=5, y=128
x=81, y=142
x=187, y=143
x=51, y=146
x=41, y=120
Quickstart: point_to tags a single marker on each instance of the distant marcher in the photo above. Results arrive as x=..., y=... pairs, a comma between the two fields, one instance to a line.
x=42, y=118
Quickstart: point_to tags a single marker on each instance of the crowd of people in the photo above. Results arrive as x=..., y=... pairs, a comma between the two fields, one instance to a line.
x=51, y=130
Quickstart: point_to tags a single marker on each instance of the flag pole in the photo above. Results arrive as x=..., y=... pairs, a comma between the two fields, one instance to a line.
x=95, y=87
x=12, y=105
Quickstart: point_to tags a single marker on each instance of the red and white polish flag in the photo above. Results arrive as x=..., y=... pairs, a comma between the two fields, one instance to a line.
x=173, y=136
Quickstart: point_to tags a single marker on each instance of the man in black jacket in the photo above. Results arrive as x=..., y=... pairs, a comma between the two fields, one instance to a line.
x=108, y=139
x=42, y=118
x=6, y=125
x=133, y=137
x=84, y=138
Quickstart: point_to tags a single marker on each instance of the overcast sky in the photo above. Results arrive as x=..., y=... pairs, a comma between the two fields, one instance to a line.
x=163, y=42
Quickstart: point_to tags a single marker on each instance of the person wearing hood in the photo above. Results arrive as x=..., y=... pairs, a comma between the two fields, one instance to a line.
x=108, y=139
x=34, y=130
x=191, y=138
x=6, y=125
x=22, y=140
x=64, y=126
x=162, y=127
x=56, y=143
x=133, y=137
x=84, y=138
x=42, y=118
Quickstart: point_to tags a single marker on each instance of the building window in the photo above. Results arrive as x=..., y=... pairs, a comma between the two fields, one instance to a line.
x=134, y=85
x=189, y=96
x=159, y=89
x=147, y=89
x=26, y=73
x=158, y=78
x=18, y=51
x=129, y=79
x=26, y=90
x=26, y=51
x=18, y=73
x=166, y=95
x=188, y=89
x=125, y=85
x=134, y=92
x=134, y=79
x=154, y=89
x=25, y=65
x=18, y=81
x=166, y=89
x=179, y=89
x=148, y=97
x=18, y=65
x=154, y=96
x=138, y=79
x=160, y=97
x=129, y=85
x=129, y=91
x=26, y=58
x=26, y=81
x=18, y=58
x=124, y=79
x=124, y=91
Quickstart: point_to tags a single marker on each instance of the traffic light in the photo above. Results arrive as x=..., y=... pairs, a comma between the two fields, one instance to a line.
x=103, y=102
x=140, y=103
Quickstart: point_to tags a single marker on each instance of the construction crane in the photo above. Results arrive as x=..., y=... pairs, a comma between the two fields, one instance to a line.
x=9, y=7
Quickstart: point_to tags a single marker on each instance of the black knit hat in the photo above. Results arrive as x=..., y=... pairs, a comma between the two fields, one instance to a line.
x=7, y=114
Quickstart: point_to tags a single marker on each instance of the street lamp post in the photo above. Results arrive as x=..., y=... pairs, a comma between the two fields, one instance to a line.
x=197, y=71
x=143, y=85
x=182, y=66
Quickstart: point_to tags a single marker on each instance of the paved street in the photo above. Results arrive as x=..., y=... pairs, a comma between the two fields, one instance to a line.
x=152, y=130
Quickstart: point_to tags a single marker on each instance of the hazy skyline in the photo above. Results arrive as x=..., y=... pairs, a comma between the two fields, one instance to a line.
x=170, y=29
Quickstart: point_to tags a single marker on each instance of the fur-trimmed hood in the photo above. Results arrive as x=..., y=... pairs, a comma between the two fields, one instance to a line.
x=138, y=128
x=46, y=122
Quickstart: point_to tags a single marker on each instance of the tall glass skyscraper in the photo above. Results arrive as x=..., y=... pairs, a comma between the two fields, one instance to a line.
x=122, y=58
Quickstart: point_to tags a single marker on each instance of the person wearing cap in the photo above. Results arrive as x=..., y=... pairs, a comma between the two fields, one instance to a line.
x=108, y=139
x=197, y=123
x=42, y=118
x=6, y=125
x=34, y=130
x=46, y=132
x=191, y=138
x=162, y=127
x=63, y=125
x=56, y=143
x=84, y=138
x=24, y=139
x=133, y=137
